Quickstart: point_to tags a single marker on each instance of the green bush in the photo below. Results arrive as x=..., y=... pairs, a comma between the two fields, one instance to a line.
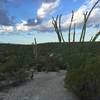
x=14, y=69
x=85, y=80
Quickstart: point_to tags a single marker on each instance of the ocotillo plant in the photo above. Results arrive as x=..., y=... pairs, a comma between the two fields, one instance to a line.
x=54, y=22
x=82, y=38
x=60, y=29
x=86, y=17
x=84, y=31
x=74, y=33
x=35, y=48
x=95, y=37
x=91, y=39
x=69, y=40
x=84, y=28
x=57, y=26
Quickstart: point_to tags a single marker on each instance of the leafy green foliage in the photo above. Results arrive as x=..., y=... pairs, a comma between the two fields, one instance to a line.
x=83, y=62
x=15, y=60
x=85, y=80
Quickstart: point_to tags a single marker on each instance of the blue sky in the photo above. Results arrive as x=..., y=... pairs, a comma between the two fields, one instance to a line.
x=22, y=20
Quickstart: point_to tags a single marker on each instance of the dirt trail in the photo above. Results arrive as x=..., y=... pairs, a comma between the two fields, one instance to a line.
x=45, y=86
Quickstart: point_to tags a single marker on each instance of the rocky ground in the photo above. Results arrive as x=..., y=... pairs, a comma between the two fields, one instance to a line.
x=45, y=86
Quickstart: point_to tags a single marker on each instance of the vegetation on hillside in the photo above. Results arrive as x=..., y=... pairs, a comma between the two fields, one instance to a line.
x=83, y=76
x=80, y=59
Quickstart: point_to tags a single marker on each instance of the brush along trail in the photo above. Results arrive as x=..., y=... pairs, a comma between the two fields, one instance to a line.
x=45, y=86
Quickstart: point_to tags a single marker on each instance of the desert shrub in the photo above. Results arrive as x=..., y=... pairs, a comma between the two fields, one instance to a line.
x=14, y=69
x=85, y=80
x=39, y=63
x=3, y=59
x=49, y=62
x=55, y=62
x=19, y=76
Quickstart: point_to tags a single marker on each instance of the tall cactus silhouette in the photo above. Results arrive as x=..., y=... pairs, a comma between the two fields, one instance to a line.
x=86, y=17
x=35, y=48
x=96, y=36
x=57, y=26
x=60, y=29
x=74, y=33
x=70, y=26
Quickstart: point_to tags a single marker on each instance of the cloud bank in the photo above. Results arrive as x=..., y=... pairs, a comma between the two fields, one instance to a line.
x=48, y=7
x=78, y=18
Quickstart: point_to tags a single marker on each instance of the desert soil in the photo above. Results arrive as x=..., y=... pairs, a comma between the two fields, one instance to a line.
x=45, y=86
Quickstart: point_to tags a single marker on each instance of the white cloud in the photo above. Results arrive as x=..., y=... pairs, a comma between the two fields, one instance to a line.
x=22, y=27
x=18, y=27
x=47, y=26
x=47, y=8
x=6, y=29
x=78, y=17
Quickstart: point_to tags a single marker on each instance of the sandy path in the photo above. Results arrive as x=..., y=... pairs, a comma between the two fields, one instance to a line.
x=45, y=86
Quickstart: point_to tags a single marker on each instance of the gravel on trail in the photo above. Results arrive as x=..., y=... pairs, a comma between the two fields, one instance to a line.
x=45, y=86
